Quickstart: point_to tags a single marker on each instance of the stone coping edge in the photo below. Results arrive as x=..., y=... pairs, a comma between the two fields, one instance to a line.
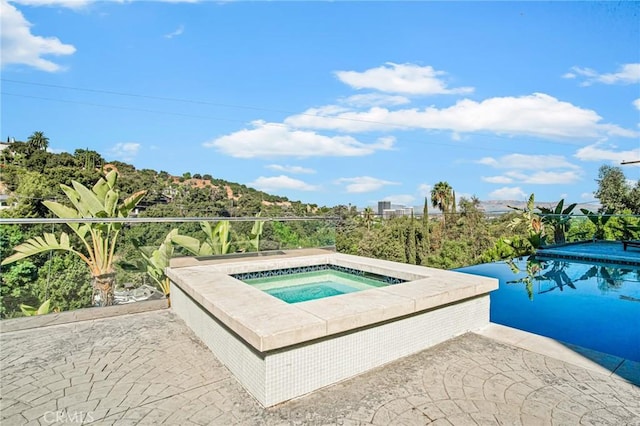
x=267, y=323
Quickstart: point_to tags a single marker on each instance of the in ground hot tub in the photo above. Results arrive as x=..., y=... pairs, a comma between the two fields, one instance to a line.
x=280, y=350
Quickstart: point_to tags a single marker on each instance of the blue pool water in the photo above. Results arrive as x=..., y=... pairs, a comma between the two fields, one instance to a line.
x=593, y=305
x=304, y=292
x=298, y=287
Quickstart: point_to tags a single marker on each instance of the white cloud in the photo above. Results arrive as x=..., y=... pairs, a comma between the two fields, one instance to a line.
x=20, y=46
x=545, y=177
x=332, y=117
x=497, y=179
x=538, y=115
x=532, y=169
x=424, y=189
x=125, y=151
x=465, y=195
x=508, y=193
x=290, y=169
x=587, y=196
x=527, y=162
x=281, y=182
x=540, y=177
x=79, y=4
x=277, y=140
x=175, y=33
x=374, y=99
x=596, y=153
x=402, y=199
x=627, y=74
x=362, y=184
x=56, y=150
x=636, y=103
x=409, y=79
x=71, y=4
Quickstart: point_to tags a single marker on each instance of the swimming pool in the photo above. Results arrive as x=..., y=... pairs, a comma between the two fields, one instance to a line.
x=301, y=284
x=593, y=305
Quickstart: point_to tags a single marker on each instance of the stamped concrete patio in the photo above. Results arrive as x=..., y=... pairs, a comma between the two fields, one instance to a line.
x=149, y=368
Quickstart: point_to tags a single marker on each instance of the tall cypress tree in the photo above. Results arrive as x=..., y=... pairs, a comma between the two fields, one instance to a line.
x=411, y=242
x=425, y=227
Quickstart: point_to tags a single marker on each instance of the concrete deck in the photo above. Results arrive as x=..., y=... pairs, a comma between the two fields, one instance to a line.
x=149, y=368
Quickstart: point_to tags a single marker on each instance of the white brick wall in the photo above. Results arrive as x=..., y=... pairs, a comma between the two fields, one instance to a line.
x=288, y=373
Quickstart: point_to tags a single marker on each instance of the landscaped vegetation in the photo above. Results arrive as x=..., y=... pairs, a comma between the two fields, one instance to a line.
x=46, y=266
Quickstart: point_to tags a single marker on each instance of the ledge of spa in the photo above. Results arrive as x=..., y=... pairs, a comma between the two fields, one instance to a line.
x=186, y=261
x=268, y=323
x=263, y=321
x=429, y=293
x=360, y=309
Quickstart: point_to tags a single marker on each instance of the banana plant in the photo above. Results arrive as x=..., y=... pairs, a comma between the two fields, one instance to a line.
x=533, y=268
x=558, y=219
x=217, y=240
x=531, y=221
x=153, y=261
x=98, y=240
x=256, y=233
x=30, y=311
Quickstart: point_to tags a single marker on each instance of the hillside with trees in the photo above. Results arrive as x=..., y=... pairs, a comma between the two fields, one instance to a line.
x=38, y=184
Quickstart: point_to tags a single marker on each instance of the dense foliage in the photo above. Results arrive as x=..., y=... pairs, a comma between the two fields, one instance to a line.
x=462, y=234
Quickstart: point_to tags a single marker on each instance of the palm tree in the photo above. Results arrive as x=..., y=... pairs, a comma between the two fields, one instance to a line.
x=442, y=198
x=368, y=216
x=38, y=142
x=98, y=239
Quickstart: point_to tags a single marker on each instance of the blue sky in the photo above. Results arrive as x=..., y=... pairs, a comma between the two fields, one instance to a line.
x=335, y=102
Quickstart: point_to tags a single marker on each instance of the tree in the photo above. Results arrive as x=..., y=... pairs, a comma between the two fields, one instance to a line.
x=612, y=189
x=32, y=188
x=368, y=216
x=472, y=226
x=633, y=199
x=454, y=209
x=410, y=245
x=38, y=142
x=599, y=220
x=442, y=198
x=425, y=226
x=64, y=281
x=98, y=239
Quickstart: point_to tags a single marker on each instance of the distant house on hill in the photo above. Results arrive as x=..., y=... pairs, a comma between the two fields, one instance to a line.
x=7, y=144
x=4, y=201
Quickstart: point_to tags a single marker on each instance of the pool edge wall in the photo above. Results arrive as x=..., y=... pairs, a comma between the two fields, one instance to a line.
x=276, y=376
